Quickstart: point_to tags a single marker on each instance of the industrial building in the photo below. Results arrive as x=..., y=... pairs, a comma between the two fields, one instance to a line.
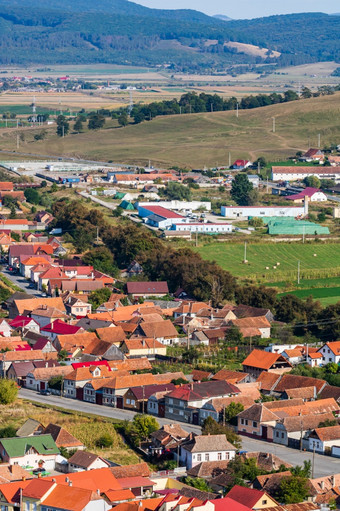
x=299, y=173
x=264, y=211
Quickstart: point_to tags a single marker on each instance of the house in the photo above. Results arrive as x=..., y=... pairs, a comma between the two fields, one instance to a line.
x=183, y=403
x=293, y=381
x=246, y=212
x=323, y=439
x=294, y=356
x=113, y=335
x=10, y=473
x=143, y=348
x=147, y=289
x=13, y=357
x=114, y=389
x=5, y=328
x=140, y=486
x=258, y=361
x=202, y=448
x=74, y=344
x=330, y=391
x=253, y=326
x=190, y=309
x=167, y=437
x=234, y=377
x=314, y=359
x=84, y=461
x=257, y=422
x=241, y=164
x=25, y=323
x=270, y=483
x=215, y=407
x=294, y=431
x=63, y=438
x=44, y=344
x=78, y=307
x=162, y=331
x=59, y=328
x=314, y=195
x=251, y=498
x=313, y=155
x=24, y=307
x=266, y=461
x=27, y=263
x=77, y=379
x=39, y=378
x=30, y=427
x=330, y=352
x=138, y=469
x=297, y=173
x=104, y=350
x=18, y=371
x=136, y=398
x=305, y=393
x=29, y=451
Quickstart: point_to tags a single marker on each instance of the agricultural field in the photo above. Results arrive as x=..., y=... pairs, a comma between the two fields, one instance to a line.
x=315, y=258
x=87, y=430
x=325, y=295
x=196, y=140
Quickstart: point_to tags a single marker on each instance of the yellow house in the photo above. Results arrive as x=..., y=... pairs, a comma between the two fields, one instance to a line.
x=251, y=498
x=142, y=347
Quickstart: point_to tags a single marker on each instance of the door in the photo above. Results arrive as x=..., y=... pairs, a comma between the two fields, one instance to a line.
x=42, y=385
x=99, y=399
x=264, y=432
x=119, y=402
x=195, y=418
x=161, y=410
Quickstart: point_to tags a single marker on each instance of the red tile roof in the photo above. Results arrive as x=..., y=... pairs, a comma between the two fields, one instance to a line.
x=37, y=488
x=147, y=287
x=246, y=496
x=229, y=504
x=263, y=359
x=60, y=328
x=307, y=192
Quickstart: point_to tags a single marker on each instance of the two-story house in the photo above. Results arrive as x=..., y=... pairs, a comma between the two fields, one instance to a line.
x=75, y=382
x=330, y=352
x=183, y=403
x=35, y=451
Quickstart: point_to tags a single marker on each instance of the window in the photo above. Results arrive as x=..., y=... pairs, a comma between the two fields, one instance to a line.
x=246, y=422
x=277, y=434
x=171, y=401
x=254, y=424
x=264, y=502
x=128, y=401
x=27, y=506
x=171, y=410
x=282, y=435
x=181, y=412
x=199, y=457
x=206, y=457
x=242, y=421
x=133, y=402
x=219, y=456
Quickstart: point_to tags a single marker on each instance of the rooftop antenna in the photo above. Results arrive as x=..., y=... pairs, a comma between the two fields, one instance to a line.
x=131, y=102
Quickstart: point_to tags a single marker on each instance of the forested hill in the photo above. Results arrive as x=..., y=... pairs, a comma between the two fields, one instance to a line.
x=122, y=32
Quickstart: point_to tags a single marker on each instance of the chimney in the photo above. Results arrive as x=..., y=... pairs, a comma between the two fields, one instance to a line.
x=333, y=481
x=70, y=483
x=322, y=484
x=67, y=479
x=46, y=364
x=54, y=480
x=98, y=491
x=39, y=475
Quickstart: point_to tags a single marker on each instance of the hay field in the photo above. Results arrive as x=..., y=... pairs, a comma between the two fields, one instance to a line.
x=196, y=140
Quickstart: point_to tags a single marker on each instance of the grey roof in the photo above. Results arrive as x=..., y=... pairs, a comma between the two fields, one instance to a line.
x=93, y=324
x=28, y=428
x=209, y=443
x=83, y=458
x=22, y=368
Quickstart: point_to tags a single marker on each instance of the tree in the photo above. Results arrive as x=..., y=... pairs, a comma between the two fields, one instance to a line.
x=32, y=195
x=260, y=162
x=54, y=187
x=256, y=222
x=56, y=382
x=63, y=126
x=99, y=296
x=102, y=260
x=62, y=355
x=303, y=471
x=327, y=423
x=306, y=93
x=232, y=410
x=104, y=440
x=123, y=119
x=78, y=125
x=13, y=213
x=233, y=335
x=198, y=483
x=8, y=432
x=312, y=181
x=141, y=428
x=43, y=184
x=189, y=355
x=8, y=391
x=240, y=189
x=176, y=191
x=211, y=427
x=96, y=122
x=293, y=490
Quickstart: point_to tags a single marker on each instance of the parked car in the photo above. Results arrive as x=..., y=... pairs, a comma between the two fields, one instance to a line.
x=45, y=392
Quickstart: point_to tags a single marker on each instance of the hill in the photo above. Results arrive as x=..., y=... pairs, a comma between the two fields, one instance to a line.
x=201, y=139
x=122, y=32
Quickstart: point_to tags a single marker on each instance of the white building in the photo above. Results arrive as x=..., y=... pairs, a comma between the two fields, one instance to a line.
x=29, y=451
x=83, y=461
x=178, y=205
x=330, y=352
x=299, y=173
x=280, y=348
x=264, y=211
x=203, y=228
x=203, y=448
x=323, y=439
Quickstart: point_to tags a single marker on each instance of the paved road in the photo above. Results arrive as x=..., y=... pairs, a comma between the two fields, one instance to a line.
x=323, y=465
x=89, y=408
x=21, y=282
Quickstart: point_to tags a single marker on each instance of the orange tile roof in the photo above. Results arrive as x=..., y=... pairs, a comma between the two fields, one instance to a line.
x=334, y=347
x=111, y=334
x=69, y=498
x=86, y=373
x=263, y=359
x=33, y=303
x=37, y=488
x=134, y=380
x=10, y=356
x=251, y=322
x=134, y=364
x=101, y=479
x=142, y=344
x=11, y=491
x=119, y=495
x=267, y=380
x=126, y=313
x=80, y=340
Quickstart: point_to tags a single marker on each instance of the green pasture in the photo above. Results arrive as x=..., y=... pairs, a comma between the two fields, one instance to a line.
x=327, y=295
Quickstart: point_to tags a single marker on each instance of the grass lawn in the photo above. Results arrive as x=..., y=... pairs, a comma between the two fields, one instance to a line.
x=327, y=295
x=87, y=430
x=261, y=255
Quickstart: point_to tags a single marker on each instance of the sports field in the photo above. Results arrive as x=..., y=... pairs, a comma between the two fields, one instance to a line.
x=284, y=256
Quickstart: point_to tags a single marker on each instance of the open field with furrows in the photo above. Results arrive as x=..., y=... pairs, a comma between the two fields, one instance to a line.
x=284, y=256
x=202, y=139
x=87, y=430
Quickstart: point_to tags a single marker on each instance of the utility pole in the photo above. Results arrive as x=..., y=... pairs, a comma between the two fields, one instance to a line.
x=237, y=109
x=298, y=279
x=303, y=234
x=196, y=239
x=229, y=159
x=245, y=252
x=63, y=131
x=97, y=234
x=267, y=188
x=273, y=124
x=17, y=141
x=313, y=462
x=319, y=141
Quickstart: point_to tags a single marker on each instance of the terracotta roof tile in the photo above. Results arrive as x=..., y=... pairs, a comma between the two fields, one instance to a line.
x=139, y=469
x=263, y=359
x=33, y=303
x=111, y=334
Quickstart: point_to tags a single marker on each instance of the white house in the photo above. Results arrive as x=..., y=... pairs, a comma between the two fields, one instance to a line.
x=323, y=439
x=314, y=359
x=264, y=211
x=177, y=205
x=84, y=461
x=29, y=451
x=330, y=352
x=204, y=448
x=314, y=195
x=203, y=228
x=299, y=173
x=5, y=328
x=40, y=376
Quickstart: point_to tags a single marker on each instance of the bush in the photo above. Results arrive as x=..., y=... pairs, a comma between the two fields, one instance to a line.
x=8, y=392
x=105, y=440
x=8, y=432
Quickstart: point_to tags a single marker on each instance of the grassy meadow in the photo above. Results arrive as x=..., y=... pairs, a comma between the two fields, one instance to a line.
x=196, y=140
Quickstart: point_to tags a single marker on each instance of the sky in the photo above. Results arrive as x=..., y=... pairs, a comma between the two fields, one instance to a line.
x=246, y=8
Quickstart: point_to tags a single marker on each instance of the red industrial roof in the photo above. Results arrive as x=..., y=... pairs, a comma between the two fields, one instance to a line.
x=307, y=192
x=160, y=211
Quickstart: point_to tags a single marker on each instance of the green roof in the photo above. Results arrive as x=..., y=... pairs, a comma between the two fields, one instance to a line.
x=119, y=195
x=292, y=226
x=18, y=446
x=127, y=205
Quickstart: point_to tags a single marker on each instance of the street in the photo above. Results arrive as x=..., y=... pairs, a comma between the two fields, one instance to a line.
x=21, y=282
x=323, y=465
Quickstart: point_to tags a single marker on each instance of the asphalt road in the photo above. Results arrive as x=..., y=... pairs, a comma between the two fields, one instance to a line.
x=323, y=465
x=21, y=282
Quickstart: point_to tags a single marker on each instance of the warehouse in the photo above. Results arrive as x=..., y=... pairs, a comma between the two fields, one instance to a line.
x=264, y=211
x=299, y=173
x=203, y=228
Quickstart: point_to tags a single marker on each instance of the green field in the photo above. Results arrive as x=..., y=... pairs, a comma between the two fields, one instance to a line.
x=261, y=255
x=325, y=295
x=196, y=140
